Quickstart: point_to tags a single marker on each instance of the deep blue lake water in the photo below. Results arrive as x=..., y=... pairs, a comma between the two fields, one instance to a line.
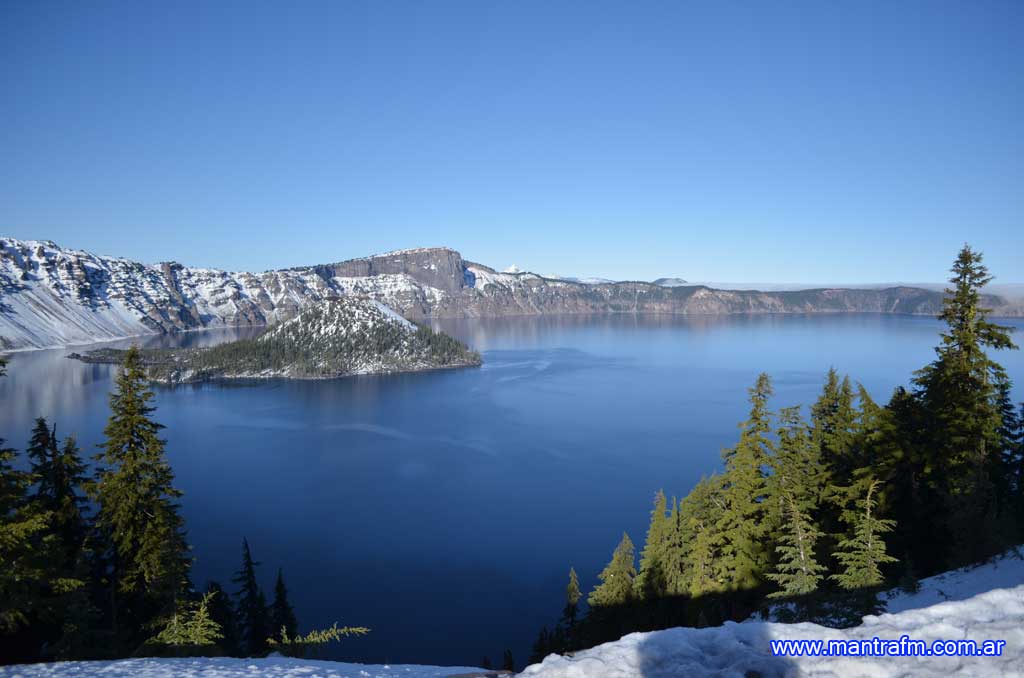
x=443, y=509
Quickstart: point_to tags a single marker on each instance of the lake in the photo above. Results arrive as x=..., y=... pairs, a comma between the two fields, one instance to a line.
x=443, y=509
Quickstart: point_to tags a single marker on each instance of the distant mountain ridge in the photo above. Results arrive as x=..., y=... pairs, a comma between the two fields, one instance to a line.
x=52, y=296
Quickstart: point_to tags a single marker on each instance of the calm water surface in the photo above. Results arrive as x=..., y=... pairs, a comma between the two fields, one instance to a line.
x=444, y=509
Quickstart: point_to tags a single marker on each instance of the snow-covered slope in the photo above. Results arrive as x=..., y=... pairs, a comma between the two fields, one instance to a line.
x=271, y=667
x=1006, y=571
x=52, y=296
x=744, y=650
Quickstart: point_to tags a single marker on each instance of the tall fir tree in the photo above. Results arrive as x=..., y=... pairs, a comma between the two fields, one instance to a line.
x=570, y=613
x=1015, y=467
x=508, y=663
x=282, y=614
x=22, y=571
x=958, y=393
x=652, y=580
x=137, y=508
x=253, y=619
x=40, y=448
x=742, y=526
x=864, y=554
x=833, y=422
x=616, y=587
x=698, y=541
x=797, y=471
x=833, y=430
x=796, y=488
x=1007, y=476
x=61, y=476
x=798, y=571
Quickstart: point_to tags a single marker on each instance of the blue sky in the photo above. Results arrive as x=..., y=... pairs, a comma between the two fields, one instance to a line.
x=730, y=141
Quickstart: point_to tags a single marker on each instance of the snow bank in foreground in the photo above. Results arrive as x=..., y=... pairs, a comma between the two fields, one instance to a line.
x=271, y=667
x=742, y=650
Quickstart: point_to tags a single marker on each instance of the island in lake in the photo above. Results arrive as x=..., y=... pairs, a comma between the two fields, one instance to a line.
x=337, y=337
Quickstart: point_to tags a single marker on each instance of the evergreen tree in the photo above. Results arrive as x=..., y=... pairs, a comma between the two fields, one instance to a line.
x=616, y=587
x=798, y=474
x=486, y=664
x=1008, y=477
x=22, y=571
x=742, y=524
x=833, y=422
x=507, y=662
x=40, y=448
x=190, y=629
x=137, y=509
x=1015, y=465
x=282, y=615
x=61, y=476
x=960, y=454
x=698, y=541
x=21, y=521
x=222, y=612
x=798, y=571
x=572, y=600
x=864, y=554
x=253, y=620
x=652, y=580
x=541, y=647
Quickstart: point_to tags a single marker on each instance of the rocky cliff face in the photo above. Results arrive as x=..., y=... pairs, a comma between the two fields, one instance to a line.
x=51, y=296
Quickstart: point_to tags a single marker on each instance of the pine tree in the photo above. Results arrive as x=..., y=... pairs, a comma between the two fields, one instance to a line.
x=222, y=612
x=616, y=587
x=833, y=421
x=1007, y=478
x=1015, y=466
x=21, y=568
x=798, y=571
x=253, y=620
x=572, y=600
x=21, y=571
x=40, y=448
x=652, y=580
x=864, y=554
x=742, y=525
x=282, y=615
x=191, y=627
x=541, y=647
x=137, y=509
x=61, y=474
x=960, y=453
x=798, y=474
x=699, y=541
x=507, y=662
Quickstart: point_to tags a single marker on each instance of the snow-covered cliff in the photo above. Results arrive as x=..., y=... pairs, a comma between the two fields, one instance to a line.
x=52, y=296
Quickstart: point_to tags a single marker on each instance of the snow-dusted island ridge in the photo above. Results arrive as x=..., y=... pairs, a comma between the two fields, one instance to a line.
x=332, y=338
x=52, y=296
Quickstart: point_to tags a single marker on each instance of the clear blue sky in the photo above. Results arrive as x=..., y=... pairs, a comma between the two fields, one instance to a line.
x=731, y=141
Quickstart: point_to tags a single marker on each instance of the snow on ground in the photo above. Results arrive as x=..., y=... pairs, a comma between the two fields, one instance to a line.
x=1005, y=571
x=224, y=667
x=743, y=650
